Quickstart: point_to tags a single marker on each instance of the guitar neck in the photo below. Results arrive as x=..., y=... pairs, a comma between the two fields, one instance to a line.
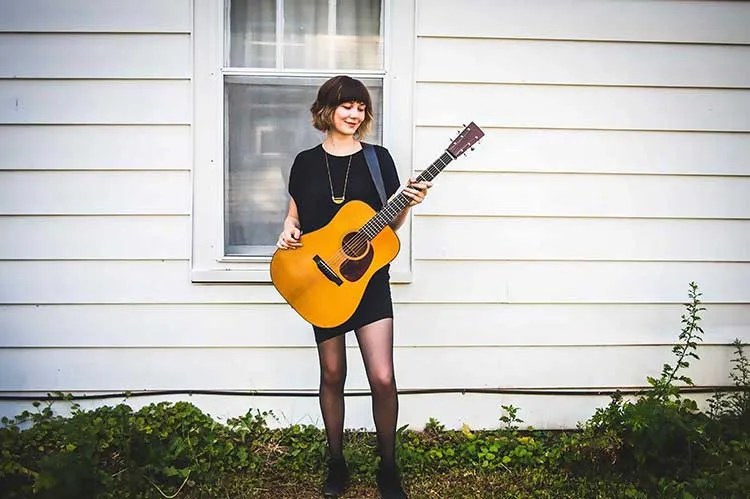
x=400, y=201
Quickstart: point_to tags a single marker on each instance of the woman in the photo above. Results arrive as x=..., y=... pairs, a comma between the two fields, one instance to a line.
x=321, y=180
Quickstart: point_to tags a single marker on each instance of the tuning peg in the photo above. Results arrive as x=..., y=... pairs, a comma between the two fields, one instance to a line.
x=472, y=148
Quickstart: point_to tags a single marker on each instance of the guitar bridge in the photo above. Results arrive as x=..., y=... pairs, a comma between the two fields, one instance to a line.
x=327, y=271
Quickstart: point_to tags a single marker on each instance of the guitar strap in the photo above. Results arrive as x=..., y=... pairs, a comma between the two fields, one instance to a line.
x=377, y=176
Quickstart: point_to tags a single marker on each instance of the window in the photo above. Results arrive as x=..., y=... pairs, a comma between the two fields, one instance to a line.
x=258, y=64
x=271, y=49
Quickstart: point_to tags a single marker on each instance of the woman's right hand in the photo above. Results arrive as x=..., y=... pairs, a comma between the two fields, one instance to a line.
x=289, y=239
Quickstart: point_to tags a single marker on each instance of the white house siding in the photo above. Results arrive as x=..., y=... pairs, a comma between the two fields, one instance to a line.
x=615, y=170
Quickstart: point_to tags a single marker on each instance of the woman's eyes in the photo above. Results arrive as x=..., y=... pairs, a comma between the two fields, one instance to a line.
x=361, y=109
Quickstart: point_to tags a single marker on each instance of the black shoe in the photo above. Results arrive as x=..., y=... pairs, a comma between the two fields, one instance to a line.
x=337, y=479
x=389, y=483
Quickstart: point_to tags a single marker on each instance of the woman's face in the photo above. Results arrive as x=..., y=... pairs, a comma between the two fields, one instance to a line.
x=348, y=116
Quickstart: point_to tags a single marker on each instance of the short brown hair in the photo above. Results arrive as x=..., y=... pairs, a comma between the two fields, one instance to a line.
x=332, y=94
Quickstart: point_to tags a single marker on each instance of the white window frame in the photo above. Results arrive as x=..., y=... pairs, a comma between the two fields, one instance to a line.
x=208, y=262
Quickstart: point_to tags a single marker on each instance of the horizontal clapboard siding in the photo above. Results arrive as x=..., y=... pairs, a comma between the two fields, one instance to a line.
x=585, y=195
x=440, y=238
x=582, y=63
x=94, y=192
x=496, y=194
x=95, y=147
x=614, y=172
x=593, y=151
x=702, y=21
x=236, y=368
x=246, y=325
x=108, y=55
x=616, y=148
x=559, y=106
x=139, y=16
x=435, y=281
x=490, y=238
x=114, y=102
x=92, y=237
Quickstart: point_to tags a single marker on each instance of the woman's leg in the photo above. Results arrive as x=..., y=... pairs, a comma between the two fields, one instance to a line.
x=332, y=358
x=376, y=344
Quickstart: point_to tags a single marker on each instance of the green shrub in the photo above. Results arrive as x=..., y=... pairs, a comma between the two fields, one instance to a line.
x=161, y=447
x=662, y=439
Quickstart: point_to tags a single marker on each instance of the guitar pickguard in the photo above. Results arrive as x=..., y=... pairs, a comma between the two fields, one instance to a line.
x=353, y=270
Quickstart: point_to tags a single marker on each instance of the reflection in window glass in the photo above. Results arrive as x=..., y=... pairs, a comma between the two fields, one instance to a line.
x=252, y=39
x=346, y=36
x=318, y=34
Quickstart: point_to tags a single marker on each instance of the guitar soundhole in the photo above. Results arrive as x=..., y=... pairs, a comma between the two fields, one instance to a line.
x=355, y=245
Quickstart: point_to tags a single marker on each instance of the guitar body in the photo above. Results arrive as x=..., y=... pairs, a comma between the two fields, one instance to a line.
x=325, y=279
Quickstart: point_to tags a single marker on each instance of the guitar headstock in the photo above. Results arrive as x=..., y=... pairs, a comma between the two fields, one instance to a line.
x=467, y=138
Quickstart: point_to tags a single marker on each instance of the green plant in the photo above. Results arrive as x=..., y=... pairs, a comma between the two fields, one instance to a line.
x=510, y=419
x=433, y=427
x=664, y=387
x=734, y=405
x=161, y=448
x=657, y=434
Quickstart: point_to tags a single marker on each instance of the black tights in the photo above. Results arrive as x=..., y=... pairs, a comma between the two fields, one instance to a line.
x=376, y=344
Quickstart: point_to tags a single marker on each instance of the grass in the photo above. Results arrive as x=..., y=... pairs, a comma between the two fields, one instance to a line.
x=514, y=484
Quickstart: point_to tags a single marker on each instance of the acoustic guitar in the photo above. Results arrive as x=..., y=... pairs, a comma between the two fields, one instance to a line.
x=325, y=279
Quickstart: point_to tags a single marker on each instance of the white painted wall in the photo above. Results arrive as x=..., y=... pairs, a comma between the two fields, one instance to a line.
x=615, y=170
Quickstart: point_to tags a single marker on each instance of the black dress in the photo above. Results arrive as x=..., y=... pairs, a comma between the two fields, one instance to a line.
x=311, y=191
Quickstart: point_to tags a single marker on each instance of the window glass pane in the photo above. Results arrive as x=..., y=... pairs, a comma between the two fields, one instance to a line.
x=252, y=26
x=267, y=123
x=359, y=18
x=320, y=34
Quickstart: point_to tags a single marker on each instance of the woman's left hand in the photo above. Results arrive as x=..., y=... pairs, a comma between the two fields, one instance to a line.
x=417, y=191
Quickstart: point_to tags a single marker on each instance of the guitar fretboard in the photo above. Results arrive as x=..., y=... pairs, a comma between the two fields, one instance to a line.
x=396, y=205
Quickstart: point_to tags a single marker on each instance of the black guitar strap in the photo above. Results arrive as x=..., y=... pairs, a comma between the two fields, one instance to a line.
x=374, y=165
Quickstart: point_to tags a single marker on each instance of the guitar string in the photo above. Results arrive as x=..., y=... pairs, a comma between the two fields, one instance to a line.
x=355, y=244
x=335, y=260
x=363, y=235
x=340, y=256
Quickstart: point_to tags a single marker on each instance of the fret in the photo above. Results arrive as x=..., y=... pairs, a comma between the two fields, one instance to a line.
x=399, y=202
x=436, y=167
x=466, y=139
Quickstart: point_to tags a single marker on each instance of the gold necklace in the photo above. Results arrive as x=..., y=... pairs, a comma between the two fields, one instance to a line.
x=337, y=200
